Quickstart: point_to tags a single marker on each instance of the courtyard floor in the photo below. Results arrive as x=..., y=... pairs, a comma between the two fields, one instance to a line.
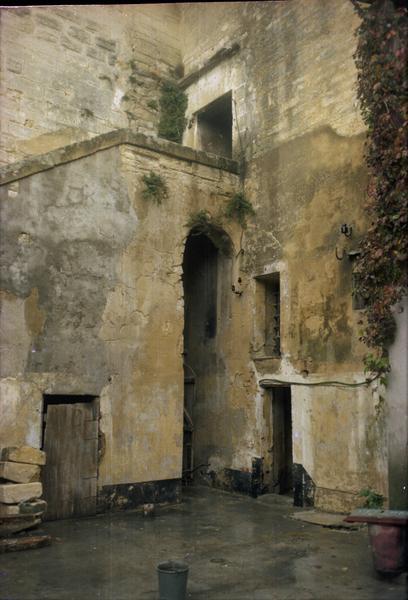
x=238, y=548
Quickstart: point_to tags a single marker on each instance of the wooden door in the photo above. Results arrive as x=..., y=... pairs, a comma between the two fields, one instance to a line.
x=71, y=446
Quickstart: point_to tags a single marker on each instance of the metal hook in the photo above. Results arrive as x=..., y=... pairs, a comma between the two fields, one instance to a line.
x=339, y=257
x=346, y=230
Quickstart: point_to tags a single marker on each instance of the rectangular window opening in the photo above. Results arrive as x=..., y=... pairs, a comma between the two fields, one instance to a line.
x=272, y=314
x=214, y=123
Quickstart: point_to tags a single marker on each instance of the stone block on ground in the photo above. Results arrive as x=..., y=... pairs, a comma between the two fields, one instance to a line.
x=24, y=454
x=331, y=520
x=36, y=507
x=19, y=472
x=14, y=493
x=10, y=526
x=24, y=543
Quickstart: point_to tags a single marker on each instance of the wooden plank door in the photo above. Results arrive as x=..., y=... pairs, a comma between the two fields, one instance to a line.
x=70, y=474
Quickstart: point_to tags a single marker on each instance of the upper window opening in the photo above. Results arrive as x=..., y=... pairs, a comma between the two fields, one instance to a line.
x=214, y=123
x=272, y=315
x=268, y=315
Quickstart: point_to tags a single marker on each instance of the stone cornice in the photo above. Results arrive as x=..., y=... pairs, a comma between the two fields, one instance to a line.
x=42, y=162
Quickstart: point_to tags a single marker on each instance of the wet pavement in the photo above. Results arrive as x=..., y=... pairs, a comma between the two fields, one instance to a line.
x=238, y=548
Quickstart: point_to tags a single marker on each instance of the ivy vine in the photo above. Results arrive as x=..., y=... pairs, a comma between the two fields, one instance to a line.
x=381, y=59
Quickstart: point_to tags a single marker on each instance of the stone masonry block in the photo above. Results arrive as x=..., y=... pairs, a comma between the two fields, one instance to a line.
x=22, y=12
x=24, y=454
x=10, y=526
x=36, y=507
x=49, y=22
x=70, y=45
x=79, y=34
x=47, y=37
x=13, y=493
x=68, y=15
x=15, y=66
x=105, y=44
x=91, y=25
x=19, y=472
x=95, y=53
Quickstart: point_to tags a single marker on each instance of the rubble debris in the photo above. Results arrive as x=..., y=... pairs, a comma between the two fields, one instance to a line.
x=21, y=506
x=19, y=472
x=24, y=543
x=13, y=493
x=24, y=454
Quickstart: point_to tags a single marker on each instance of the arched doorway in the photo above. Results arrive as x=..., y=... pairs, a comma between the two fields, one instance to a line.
x=207, y=291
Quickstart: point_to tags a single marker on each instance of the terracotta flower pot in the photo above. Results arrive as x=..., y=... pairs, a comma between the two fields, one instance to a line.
x=388, y=534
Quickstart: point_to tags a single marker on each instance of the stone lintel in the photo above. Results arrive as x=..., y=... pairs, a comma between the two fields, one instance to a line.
x=212, y=62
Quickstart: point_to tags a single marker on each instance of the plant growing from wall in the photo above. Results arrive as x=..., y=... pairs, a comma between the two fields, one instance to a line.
x=173, y=106
x=372, y=498
x=155, y=188
x=239, y=209
x=381, y=58
x=203, y=223
x=153, y=105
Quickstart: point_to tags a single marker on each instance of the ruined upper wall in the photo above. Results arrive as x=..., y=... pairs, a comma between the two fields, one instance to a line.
x=294, y=71
x=69, y=73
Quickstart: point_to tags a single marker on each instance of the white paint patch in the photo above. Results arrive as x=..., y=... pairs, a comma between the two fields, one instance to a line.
x=117, y=98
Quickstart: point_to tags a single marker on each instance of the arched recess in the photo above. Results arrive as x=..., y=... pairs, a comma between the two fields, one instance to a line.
x=207, y=265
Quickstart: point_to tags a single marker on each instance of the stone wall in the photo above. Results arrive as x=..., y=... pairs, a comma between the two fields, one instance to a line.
x=70, y=73
x=297, y=123
x=94, y=290
x=93, y=298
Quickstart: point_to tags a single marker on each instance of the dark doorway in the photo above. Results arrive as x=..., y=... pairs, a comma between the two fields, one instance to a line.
x=281, y=449
x=200, y=280
x=70, y=440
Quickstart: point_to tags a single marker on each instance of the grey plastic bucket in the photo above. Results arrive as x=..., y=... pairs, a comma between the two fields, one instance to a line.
x=172, y=580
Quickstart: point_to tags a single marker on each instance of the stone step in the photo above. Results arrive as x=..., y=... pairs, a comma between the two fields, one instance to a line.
x=14, y=493
x=10, y=526
x=36, y=507
x=23, y=454
x=19, y=472
x=24, y=543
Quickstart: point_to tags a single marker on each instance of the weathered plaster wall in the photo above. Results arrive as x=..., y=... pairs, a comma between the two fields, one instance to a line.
x=70, y=73
x=297, y=123
x=92, y=279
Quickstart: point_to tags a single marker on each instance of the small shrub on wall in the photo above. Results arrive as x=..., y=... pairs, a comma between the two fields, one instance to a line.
x=173, y=106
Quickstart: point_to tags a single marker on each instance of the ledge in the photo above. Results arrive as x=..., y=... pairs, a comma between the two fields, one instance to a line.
x=218, y=57
x=42, y=162
x=378, y=516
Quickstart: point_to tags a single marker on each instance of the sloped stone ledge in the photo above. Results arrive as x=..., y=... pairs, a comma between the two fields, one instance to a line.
x=36, y=164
